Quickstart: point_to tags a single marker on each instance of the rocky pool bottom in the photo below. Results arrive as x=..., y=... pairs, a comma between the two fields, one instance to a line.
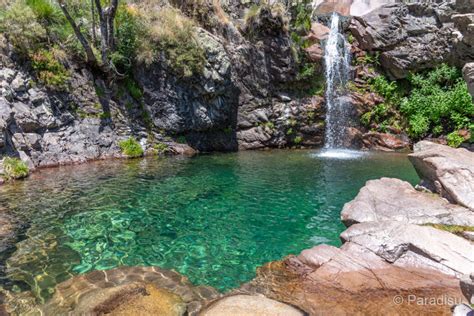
x=213, y=218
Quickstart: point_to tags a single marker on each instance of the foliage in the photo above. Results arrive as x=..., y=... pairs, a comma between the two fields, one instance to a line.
x=129, y=31
x=298, y=140
x=134, y=89
x=175, y=35
x=19, y=23
x=368, y=59
x=161, y=148
x=49, y=70
x=454, y=139
x=131, y=148
x=436, y=103
x=14, y=168
x=439, y=103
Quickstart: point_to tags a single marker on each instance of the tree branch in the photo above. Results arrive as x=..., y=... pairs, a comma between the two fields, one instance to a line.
x=85, y=44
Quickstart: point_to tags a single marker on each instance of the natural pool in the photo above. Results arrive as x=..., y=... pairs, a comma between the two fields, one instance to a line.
x=214, y=218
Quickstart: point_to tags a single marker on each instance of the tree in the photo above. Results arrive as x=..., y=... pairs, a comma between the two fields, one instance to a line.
x=106, y=26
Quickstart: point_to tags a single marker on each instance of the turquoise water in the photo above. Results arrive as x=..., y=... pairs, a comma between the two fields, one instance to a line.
x=214, y=218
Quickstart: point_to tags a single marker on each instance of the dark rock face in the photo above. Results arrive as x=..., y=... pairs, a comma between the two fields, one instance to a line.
x=415, y=36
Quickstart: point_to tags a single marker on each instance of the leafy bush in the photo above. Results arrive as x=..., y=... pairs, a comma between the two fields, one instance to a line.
x=131, y=148
x=19, y=23
x=439, y=103
x=49, y=70
x=174, y=34
x=14, y=168
x=454, y=139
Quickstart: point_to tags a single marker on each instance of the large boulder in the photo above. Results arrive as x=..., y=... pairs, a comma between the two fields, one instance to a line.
x=408, y=245
x=414, y=36
x=445, y=170
x=396, y=200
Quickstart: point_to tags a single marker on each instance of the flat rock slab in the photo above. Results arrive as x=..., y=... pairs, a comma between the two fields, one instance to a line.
x=250, y=305
x=408, y=245
x=353, y=282
x=445, y=170
x=397, y=200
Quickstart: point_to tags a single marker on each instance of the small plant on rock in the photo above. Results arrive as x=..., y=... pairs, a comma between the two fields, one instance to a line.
x=454, y=139
x=131, y=148
x=14, y=168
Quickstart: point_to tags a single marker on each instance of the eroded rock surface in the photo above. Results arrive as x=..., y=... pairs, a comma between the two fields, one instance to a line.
x=415, y=36
x=389, y=199
x=447, y=171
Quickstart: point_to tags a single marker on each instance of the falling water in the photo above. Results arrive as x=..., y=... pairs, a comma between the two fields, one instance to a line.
x=337, y=63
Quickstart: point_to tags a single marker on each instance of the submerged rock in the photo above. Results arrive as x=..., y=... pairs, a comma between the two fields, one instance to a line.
x=123, y=291
x=390, y=199
x=445, y=170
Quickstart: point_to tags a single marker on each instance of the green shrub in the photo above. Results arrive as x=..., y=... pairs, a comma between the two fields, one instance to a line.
x=174, y=34
x=454, y=139
x=438, y=103
x=161, y=148
x=46, y=12
x=19, y=23
x=49, y=70
x=131, y=148
x=298, y=140
x=14, y=168
x=134, y=89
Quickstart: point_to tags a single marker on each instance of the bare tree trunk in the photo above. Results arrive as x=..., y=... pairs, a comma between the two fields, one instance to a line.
x=103, y=34
x=94, y=36
x=111, y=12
x=85, y=44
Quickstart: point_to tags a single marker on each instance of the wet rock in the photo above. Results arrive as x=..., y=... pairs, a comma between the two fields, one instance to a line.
x=408, y=245
x=445, y=170
x=248, y=305
x=396, y=200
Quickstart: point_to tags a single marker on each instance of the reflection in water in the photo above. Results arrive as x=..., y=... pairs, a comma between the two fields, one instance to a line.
x=213, y=218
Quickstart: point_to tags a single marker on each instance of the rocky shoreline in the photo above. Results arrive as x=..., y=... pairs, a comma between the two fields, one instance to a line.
x=400, y=254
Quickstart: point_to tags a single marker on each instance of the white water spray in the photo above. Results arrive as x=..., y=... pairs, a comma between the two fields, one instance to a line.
x=337, y=62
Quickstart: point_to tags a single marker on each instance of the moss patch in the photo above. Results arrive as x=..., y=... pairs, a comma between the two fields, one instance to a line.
x=14, y=168
x=131, y=148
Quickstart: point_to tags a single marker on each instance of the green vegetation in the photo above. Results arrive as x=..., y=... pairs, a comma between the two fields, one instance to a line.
x=131, y=148
x=174, y=34
x=161, y=148
x=49, y=70
x=454, y=139
x=436, y=103
x=455, y=229
x=298, y=140
x=14, y=168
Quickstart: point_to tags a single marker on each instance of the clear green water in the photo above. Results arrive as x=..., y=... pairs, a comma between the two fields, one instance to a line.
x=214, y=218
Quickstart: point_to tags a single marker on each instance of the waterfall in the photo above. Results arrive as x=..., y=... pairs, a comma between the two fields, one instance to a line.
x=337, y=62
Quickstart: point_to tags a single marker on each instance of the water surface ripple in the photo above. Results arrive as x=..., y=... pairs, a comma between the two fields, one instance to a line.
x=214, y=218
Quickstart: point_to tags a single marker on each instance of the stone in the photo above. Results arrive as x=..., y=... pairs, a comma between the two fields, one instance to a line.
x=462, y=310
x=467, y=287
x=409, y=245
x=385, y=141
x=127, y=291
x=389, y=199
x=445, y=170
x=468, y=75
x=249, y=305
x=412, y=37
